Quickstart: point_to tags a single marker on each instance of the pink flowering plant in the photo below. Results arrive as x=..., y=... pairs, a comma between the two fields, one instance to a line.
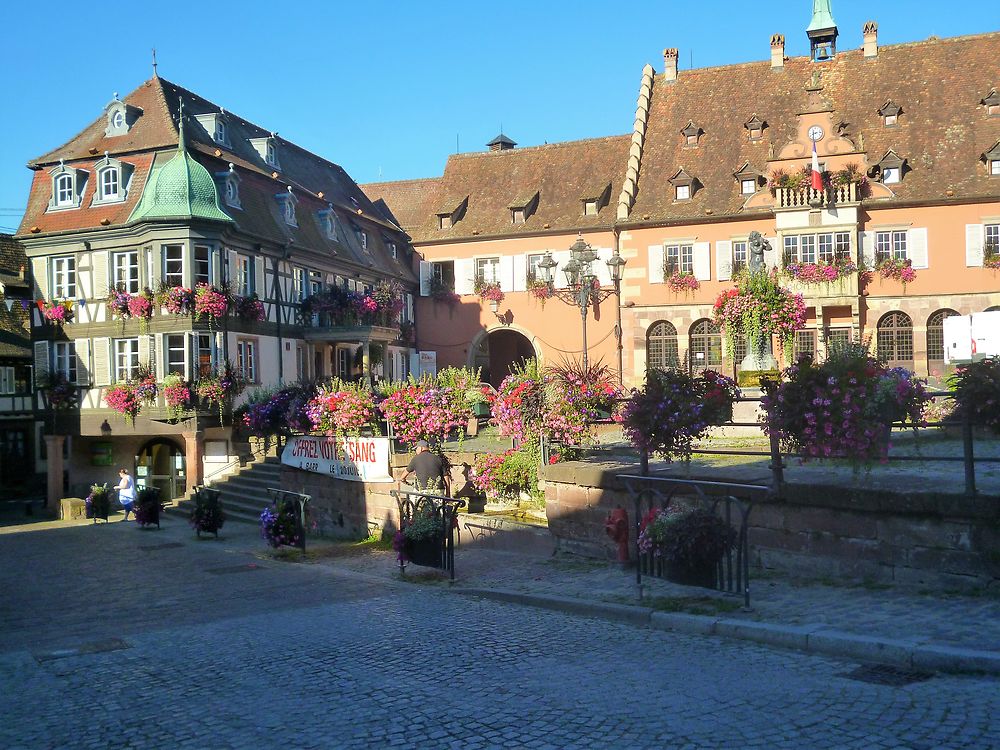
x=210, y=302
x=57, y=313
x=249, y=309
x=674, y=408
x=122, y=398
x=507, y=475
x=220, y=387
x=342, y=408
x=843, y=408
x=540, y=290
x=976, y=393
x=681, y=282
x=176, y=300
x=176, y=395
x=489, y=291
x=896, y=269
x=428, y=409
x=823, y=272
x=758, y=308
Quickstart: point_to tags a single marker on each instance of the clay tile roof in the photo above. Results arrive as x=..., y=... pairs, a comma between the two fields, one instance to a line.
x=15, y=339
x=560, y=173
x=943, y=128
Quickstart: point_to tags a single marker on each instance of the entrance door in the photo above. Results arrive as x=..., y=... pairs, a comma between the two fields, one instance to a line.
x=161, y=464
x=498, y=352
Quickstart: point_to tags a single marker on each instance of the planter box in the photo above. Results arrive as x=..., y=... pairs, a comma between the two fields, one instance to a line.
x=426, y=552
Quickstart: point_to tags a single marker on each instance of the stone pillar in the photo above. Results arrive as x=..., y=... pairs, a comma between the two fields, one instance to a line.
x=366, y=364
x=194, y=448
x=54, y=450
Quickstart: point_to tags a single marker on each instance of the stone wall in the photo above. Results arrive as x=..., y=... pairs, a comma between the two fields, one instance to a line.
x=842, y=533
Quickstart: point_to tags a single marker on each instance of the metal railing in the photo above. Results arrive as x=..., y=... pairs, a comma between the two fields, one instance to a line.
x=281, y=499
x=437, y=551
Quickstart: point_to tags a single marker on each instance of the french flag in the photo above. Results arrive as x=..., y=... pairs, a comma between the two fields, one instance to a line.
x=817, y=176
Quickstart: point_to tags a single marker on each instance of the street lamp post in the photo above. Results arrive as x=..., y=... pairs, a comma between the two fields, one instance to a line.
x=581, y=290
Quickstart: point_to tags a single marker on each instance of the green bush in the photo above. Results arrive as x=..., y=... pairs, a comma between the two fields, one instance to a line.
x=752, y=378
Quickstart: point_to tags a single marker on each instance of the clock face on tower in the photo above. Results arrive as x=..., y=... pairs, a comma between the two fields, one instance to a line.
x=815, y=133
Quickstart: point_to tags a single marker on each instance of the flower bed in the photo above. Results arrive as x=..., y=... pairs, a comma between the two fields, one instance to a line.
x=505, y=476
x=673, y=409
x=429, y=409
x=843, y=408
x=343, y=409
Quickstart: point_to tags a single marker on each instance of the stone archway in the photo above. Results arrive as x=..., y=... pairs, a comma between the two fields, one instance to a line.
x=162, y=463
x=496, y=350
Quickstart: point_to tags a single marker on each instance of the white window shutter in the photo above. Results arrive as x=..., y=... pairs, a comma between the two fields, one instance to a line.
x=600, y=266
x=161, y=361
x=521, y=272
x=145, y=351
x=40, y=270
x=41, y=361
x=83, y=362
x=701, y=261
x=866, y=252
x=426, y=272
x=154, y=266
x=916, y=247
x=506, y=273
x=409, y=308
x=215, y=266
x=772, y=255
x=101, y=361
x=258, y=277
x=465, y=270
x=724, y=260
x=975, y=238
x=232, y=264
x=100, y=282
x=561, y=257
x=219, y=353
x=655, y=269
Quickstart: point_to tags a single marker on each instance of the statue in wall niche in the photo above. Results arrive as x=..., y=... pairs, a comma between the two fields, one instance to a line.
x=759, y=355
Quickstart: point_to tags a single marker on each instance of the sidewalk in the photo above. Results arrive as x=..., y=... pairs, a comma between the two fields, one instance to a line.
x=903, y=627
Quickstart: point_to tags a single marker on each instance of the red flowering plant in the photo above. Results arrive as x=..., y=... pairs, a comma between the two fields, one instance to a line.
x=140, y=306
x=220, y=387
x=758, y=308
x=896, y=269
x=823, y=272
x=56, y=313
x=681, y=282
x=249, y=309
x=176, y=300
x=507, y=475
x=843, y=408
x=431, y=408
x=540, y=290
x=342, y=408
x=674, y=408
x=176, y=395
x=518, y=409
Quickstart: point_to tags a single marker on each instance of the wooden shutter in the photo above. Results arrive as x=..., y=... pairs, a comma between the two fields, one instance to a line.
x=600, y=266
x=99, y=279
x=41, y=361
x=724, y=260
x=561, y=257
x=154, y=265
x=916, y=247
x=506, y=273
x=426, y=273
x=101, y=361
x=146, y=352
x=258, y=278
x=161, y=361
x=975, y=238
x=40, y=270
x=520, y=272
x=655, y=268
x=409, y=307
x=465, y=271
x=83, y=362
x=702, y=261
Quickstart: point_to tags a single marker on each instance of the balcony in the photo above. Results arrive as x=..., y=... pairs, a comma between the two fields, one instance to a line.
x=807, y=197
x=332, y=328
x=843, y=291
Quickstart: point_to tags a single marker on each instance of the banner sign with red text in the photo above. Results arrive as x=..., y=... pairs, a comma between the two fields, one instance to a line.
x=361, y=459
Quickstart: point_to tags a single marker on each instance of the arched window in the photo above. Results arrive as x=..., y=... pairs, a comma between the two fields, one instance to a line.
x=108, y=182
x=895, y=340
x=935, y=337
x=704, y=345
x=661, y=347
x=64, y=190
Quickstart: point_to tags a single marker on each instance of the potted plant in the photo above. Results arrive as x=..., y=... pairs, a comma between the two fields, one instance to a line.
x=423, y=537
x=148, y=506
x=690, y=543
x=280, y=526
x=98, y=502
x=843, y=408
x=976, y=393
x=207, y=514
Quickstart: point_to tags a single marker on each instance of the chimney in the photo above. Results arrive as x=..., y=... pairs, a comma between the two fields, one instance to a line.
x=777, y=51
x=670, y=64
x=870, y=34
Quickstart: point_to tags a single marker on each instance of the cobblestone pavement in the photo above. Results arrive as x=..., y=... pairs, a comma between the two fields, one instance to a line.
x=213, y=646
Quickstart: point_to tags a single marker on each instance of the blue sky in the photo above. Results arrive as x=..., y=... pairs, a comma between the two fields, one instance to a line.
x=384, y=88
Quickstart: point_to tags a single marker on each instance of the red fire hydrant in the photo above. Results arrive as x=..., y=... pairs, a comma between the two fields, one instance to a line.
x=616, y=526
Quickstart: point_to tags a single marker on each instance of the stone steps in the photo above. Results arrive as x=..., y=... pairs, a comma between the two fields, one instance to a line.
x=243, y=494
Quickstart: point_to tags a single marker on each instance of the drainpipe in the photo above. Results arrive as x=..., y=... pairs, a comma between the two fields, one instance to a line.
x=618, y=312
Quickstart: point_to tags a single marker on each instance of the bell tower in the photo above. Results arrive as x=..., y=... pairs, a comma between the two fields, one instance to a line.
x=822, y=31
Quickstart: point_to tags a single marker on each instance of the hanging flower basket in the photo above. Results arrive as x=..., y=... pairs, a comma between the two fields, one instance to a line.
x=56, y=313
x=177, y=396
x=176, y=300
x=249, y=309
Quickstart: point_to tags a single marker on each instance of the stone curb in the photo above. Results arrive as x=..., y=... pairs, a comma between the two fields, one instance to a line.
x=813, y=639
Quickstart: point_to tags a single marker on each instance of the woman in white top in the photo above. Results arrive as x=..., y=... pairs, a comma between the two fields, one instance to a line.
x=126, y=491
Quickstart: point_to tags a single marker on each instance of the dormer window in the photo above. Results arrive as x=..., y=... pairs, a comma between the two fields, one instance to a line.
x=590, y=208
x=391, y=248
x=523, y=207
x=748, y=179
x=220, y=131
x=755, y=127
x=596, y=198
x=684, y=185
x=229, y=186
x=992, y=159
x=328, y=222
x=890, y=112
x=121, y=117
x=891, y=168
x=444, y=222
x=287, y=202
x=992, y=103
x=451, y=211
x=67, y=187
x=748, y=187
x=268, y=150
x=216, y=125
x=691, y=133
x=112, y=180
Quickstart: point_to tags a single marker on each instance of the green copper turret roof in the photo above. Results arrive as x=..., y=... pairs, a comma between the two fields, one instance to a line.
x=822, y=16
x=181, y=188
